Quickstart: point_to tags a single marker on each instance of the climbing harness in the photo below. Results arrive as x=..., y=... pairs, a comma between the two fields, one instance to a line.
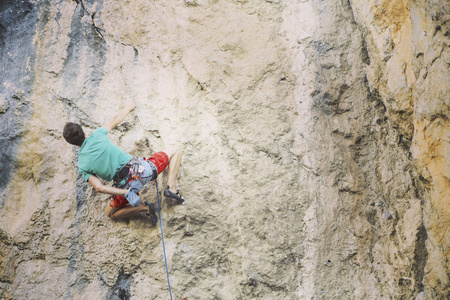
x=133, y=170
x=129, y=171
x=162, y=238
x=136, y=169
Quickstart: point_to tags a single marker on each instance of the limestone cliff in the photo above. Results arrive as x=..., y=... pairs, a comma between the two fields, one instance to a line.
x=315, y=139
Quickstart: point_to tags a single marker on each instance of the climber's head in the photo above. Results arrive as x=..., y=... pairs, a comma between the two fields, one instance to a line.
x=74, y=134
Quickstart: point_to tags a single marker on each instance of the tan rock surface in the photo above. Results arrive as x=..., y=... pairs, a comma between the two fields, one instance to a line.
x=315, y=141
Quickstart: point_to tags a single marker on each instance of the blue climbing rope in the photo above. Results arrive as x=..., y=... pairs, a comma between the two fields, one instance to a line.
x=162, y=238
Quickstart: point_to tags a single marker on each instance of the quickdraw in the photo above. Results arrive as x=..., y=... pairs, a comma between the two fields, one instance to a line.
x=135, y=169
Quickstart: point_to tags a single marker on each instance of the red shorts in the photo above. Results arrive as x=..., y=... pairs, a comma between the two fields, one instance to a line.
x=160, y=160
x=118, y=201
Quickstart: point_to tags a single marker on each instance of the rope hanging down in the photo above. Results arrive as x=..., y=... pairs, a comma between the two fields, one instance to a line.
x=162, y=238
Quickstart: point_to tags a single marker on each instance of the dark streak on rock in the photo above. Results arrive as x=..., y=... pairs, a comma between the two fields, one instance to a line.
x=18, y=21
x=420, y=258
x=121, y=289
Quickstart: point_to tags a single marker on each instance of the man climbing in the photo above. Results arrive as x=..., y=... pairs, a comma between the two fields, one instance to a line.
x=100, y=158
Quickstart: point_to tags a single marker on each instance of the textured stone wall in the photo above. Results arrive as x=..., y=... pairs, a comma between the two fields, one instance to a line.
x=315, y=139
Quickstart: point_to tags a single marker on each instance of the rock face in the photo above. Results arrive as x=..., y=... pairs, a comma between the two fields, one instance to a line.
x=315, y=139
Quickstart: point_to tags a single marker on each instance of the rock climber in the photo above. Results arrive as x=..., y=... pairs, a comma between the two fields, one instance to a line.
x=100, y=158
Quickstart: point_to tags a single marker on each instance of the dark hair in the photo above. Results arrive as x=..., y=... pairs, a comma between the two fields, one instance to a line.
x=74, y=134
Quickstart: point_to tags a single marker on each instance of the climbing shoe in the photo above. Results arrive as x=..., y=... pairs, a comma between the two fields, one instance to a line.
x=152, y=213
x=177, y=196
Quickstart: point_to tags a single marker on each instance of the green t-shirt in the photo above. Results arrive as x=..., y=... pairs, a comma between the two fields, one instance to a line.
x=99, y=156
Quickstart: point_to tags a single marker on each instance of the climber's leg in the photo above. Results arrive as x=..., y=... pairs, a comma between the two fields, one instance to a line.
x=170, y=159
x=174, y=167
x=116, y=213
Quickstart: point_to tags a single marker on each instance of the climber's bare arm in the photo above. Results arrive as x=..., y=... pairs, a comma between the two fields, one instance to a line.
x=120, y=115
x=101, y=188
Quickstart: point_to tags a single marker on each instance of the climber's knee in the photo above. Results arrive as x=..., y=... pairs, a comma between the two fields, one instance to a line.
x=109, y=211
